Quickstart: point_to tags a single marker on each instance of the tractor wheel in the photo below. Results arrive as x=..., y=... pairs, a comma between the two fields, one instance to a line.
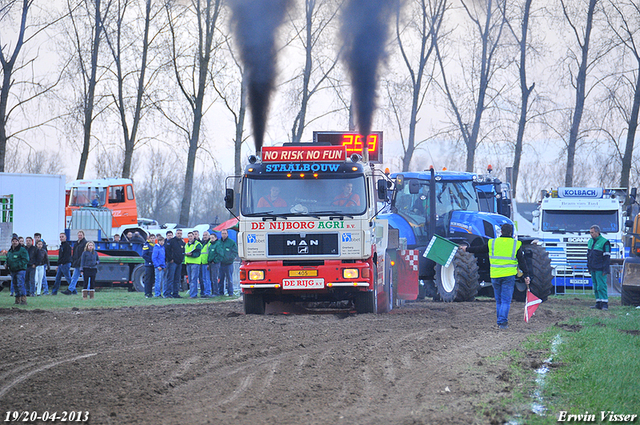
x=459, y=281
x=253, y=304
x=541, y=273
x=138, y=277
x=630, y=296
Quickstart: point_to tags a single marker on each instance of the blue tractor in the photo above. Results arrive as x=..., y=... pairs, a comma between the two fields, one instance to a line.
x=466, y=209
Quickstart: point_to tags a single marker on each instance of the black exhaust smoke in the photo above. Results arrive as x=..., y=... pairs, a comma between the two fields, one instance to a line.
x=255, y=26
x=365, y=27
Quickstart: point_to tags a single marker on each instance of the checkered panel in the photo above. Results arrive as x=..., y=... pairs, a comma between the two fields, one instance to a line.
x=411, y=257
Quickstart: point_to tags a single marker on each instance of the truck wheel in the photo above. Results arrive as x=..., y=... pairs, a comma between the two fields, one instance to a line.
x=253, y=304
x=541, y=273
x=459, y=281
x=629, y=296
x=138, y=277
x=365, y=302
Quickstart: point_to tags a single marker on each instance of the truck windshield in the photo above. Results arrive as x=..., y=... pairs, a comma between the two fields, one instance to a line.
x=290, y=197
x=579, y=221
x=87, y=196
x=450, y=196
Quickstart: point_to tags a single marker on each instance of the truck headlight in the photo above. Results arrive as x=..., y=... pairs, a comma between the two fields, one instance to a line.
x=350, y=273
x=256, y=274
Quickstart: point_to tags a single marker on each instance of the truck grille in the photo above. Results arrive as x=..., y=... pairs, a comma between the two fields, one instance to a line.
x=302, y=244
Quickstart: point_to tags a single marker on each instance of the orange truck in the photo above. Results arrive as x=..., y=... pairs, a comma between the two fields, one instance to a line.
x=114, y=196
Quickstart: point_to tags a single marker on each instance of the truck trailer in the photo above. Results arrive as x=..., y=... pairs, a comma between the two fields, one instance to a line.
x=32, y=203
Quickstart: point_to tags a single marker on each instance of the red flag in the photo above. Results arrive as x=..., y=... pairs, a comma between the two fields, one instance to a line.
x=531, y=305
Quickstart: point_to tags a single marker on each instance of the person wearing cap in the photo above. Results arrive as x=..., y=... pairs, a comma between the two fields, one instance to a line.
x=505, y=257
x=17, y=261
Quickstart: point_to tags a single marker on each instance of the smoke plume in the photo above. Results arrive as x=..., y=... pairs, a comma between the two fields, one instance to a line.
x=255, y=26
x=365, y=27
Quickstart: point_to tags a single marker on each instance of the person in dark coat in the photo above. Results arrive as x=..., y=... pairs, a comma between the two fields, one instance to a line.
x=29, y=277
x=174, y=252
x=149, y=276
x=41, y=262
x=64, y=264
x=75, y=263
x=17, y=261
x=89, y=265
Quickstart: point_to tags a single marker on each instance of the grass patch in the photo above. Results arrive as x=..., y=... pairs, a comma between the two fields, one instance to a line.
x=596, y=367
x=104, y=298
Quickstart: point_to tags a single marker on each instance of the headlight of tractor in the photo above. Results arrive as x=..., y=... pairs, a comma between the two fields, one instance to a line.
x=350, y=273
x=256, y=274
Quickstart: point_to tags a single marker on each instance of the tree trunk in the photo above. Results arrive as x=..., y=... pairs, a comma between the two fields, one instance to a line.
x=130, y=139
x=7, y=74
x=581, y=82
x=525, y=92
x=627, y=159
x=240, y=129
x=90, y=95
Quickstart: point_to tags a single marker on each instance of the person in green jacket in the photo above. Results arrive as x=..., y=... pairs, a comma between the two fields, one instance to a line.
x=17, y=260
x=213, y=257
x=228, y=251
x=598, y=259
x=192, y=259
x=205, y=277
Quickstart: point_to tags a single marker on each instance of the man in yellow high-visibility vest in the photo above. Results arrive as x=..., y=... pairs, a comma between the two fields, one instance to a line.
x=505, y=257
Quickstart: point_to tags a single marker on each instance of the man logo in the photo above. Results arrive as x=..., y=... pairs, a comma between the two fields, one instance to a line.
x=303, y=250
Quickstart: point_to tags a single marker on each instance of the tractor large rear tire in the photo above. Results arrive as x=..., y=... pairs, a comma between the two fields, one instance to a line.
x=459, y=281
x=542, y=274
x=630, y=296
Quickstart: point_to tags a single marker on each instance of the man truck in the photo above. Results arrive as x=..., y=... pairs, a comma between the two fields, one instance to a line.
x=309, y=232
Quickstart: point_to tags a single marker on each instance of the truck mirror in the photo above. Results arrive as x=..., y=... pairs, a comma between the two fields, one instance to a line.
x=228, y=199
x=399, y=181
x=382, y=189
x=414, y=186
x=628, y=223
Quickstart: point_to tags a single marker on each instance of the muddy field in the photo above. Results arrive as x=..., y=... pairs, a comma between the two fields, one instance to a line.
x=424, y=363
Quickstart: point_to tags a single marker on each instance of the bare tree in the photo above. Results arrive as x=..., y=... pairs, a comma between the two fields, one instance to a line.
x=13, y=62
x=83, y=15
x=489, y=23
x=157, y=192
x=525, y=88
x=319, y=15
x=232, y=90
x=622, y=20
x=422, y=22
x=583, y=39
x=130, y=106
x=192, y=72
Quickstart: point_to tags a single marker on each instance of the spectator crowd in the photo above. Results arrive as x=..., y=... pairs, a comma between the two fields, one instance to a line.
x=209, y=264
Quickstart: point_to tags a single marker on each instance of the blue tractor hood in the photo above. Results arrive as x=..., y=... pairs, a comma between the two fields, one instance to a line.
x=482, y=224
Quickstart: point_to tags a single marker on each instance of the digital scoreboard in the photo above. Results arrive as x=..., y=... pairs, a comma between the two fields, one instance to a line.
x=354, y=142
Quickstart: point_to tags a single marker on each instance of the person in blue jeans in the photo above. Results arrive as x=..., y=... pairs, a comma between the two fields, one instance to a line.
x=192, y=259
x=160, y=265
x=227, y=252
x=75, y=263
x=505, y=257
x=64, y=264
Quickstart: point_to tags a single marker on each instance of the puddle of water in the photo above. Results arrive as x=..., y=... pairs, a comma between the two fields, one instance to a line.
x=538, y=405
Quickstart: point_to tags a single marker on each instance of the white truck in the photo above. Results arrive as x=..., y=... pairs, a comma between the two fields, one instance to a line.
x=37, y=204
x=562, y=222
